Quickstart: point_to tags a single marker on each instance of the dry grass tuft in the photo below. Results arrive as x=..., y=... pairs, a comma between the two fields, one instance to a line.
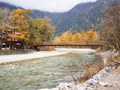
x=82, y=74
x=89, y=72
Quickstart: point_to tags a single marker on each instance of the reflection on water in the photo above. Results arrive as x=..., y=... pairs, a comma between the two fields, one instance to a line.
x=42, y=73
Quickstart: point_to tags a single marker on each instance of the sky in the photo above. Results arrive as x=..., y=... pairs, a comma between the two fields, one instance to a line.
x=47, y=5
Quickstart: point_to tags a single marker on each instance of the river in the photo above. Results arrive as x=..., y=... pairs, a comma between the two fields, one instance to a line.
x=43, y=72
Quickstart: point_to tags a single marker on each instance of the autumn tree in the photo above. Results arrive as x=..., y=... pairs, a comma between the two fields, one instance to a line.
x=70, y=37
x=4, y=24
x=92, y=36
x=40, y=31
x=34, y=31
x=24, y=29
x=47, y=30
x=110, y=34
x=19, y=20
x=82, y=37
x=63, y=38
x=77, y=37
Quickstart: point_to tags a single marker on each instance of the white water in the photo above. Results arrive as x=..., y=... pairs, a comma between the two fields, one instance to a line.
x=43, y=72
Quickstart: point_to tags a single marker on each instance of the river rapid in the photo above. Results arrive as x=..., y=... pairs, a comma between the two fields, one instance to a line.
x=45, y=72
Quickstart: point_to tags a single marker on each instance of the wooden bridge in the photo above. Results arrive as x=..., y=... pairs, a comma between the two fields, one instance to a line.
x=71, y=45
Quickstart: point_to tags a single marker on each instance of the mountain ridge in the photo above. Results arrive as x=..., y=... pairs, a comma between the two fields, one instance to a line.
x=83, y=16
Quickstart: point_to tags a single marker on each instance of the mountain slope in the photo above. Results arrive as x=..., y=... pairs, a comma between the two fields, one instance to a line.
x=83, y=16
x=41, y=14
x=35, y=14
x=9, y=6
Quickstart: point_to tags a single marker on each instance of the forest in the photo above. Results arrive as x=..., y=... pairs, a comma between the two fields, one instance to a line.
x=82, y=37
x=19, y=30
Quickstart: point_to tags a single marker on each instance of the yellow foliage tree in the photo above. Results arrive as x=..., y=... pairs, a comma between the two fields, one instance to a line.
x=84, y=37
x=40, y=31
x=63, y=38
x=70, y=37
x=92, y=36
x=19, y=24
x=77, y=37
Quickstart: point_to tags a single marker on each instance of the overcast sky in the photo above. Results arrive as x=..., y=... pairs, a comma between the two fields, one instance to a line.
x=47, y=5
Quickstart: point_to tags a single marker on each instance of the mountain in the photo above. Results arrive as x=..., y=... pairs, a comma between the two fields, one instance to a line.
x=41, y=14
x=9, y=6
x=83, y=16
x=35, y=14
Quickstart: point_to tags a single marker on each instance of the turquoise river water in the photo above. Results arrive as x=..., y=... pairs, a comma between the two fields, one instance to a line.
x=44, y=72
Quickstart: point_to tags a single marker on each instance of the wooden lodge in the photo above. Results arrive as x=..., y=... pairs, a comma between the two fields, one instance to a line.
x=8, y=42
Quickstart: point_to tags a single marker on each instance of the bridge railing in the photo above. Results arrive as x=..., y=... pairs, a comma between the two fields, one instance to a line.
x=73, y=45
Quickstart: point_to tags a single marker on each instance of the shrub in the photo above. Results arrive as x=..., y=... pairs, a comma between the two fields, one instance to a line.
x=82, y=74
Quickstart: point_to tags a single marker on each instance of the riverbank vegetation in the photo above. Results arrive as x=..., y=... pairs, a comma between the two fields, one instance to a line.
x=82, y=37
x=88, y=72
x=19, y=30
x=110, y=35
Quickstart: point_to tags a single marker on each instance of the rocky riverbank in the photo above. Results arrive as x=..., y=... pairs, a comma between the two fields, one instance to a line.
x=112, y=79
x=97, y=81
x=94, y=83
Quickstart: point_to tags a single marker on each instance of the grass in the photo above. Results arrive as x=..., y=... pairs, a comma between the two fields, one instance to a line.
x=112, y=59
x=118, y=57
x=89, y=72
x=81, y=75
